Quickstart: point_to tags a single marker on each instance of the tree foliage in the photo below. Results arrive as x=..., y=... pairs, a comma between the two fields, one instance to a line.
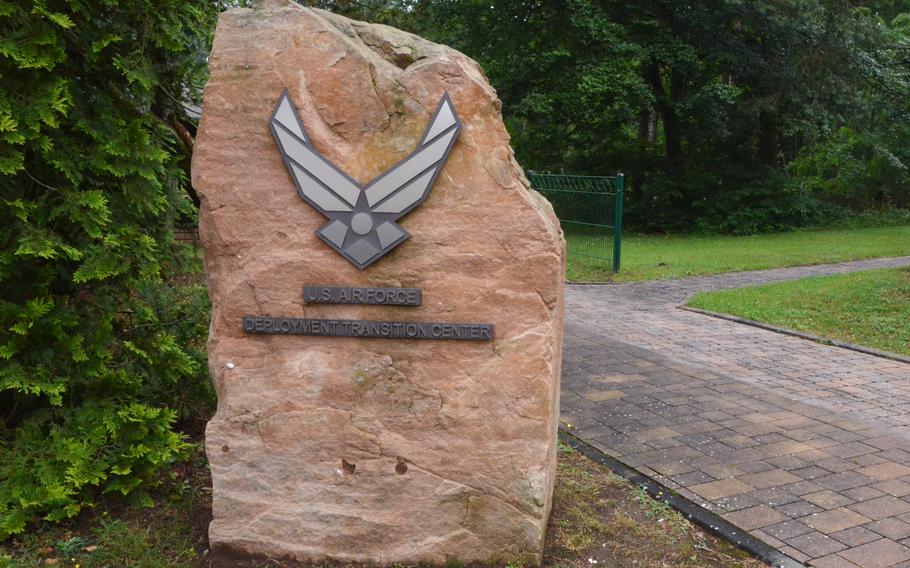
x=724, y=114
x=99, y=340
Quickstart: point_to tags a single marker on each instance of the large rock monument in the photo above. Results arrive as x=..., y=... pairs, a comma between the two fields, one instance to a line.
x=404, y=407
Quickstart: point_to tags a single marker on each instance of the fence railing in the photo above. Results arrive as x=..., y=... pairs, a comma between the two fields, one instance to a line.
x=589, y=209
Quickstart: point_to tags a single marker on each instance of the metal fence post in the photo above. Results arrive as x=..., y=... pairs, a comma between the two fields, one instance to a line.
x=617, y=224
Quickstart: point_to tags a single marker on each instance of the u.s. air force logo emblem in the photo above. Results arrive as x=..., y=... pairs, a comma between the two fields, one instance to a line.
x=363, y=219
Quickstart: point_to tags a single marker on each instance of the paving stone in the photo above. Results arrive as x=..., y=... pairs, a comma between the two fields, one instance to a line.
x=878, y=554
x=722, y=488
x=894, y=487
x=721, y=471
x=795, y=554
x=811, y=473
x=835, y=520
x=772, y=437
x=881, y=507
x=832, y=561
x=774, y=497
x=755, y=517
x=736, y=503
x=802, y=488
x=601, y=396
x=673, y=467
x=740, y=441
x=843, y=481
x=749, y=429
x=887, y=442
x=784, y=448
x=789, y=462
x=821, y=442
x=654, y=434
x=892, y=528
x=697, y=427
x=897, y=454
x=692, y=478
x=619, y=378
x=812, y=456
x=863, y=493
x=869, y=460
x=828, y=499
x=787, y=529
x=886, y=470
x=757, y=466
x=771, y=478
x=799, y=509
x=767, y=539
x=815, y=544
x=855, y=536
x=837, y=465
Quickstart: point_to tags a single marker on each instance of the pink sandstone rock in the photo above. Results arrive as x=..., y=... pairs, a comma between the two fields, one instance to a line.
x=373, y=450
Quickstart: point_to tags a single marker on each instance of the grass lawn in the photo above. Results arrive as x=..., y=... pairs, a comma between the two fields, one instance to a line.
x=596, y=516
x=654, y=257
x=868, y=308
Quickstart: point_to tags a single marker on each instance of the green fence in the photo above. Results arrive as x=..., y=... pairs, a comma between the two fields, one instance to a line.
x=589, y=209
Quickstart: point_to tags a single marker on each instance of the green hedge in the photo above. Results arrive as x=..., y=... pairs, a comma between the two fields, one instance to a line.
x=101, y=313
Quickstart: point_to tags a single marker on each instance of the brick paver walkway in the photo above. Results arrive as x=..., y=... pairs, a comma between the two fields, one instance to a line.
x=805, y=446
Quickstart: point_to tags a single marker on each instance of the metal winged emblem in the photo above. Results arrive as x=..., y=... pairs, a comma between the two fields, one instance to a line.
x=363, y=219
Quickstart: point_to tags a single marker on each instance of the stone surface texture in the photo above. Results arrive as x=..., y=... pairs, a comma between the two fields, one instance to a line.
x=373, y=450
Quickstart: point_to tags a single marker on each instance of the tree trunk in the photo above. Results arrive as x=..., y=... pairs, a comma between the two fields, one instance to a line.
x=767, y=137
x=664, y=105
x=671, y=122
x=644, y=126
x=647, y=126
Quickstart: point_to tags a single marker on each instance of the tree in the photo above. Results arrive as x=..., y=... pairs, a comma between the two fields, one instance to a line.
x=716, y=110
x=100, y=341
